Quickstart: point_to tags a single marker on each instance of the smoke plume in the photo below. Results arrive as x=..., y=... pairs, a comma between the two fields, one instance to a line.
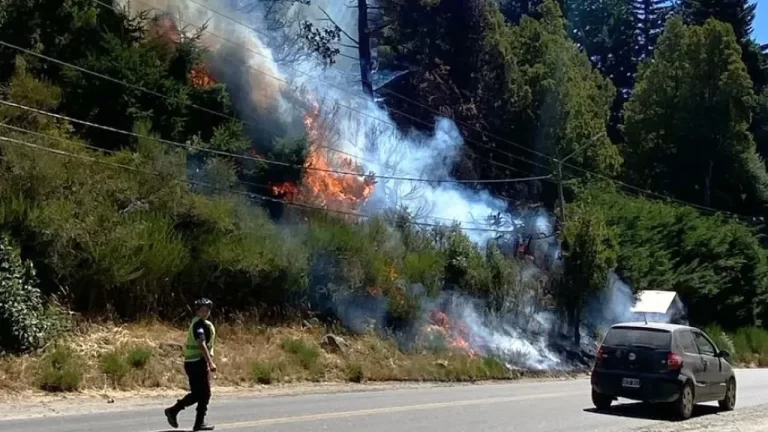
x=270, y=90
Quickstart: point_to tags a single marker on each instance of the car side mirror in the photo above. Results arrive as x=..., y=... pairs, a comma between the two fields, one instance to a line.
x=723, y=354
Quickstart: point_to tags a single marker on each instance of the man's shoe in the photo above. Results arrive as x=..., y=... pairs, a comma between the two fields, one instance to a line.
x=203, y=427
x=200, y=423
x=171, y=414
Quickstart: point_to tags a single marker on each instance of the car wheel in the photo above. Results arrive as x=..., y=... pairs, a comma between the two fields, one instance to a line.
x=684, y=404
x=602, y=402
x=729, y=402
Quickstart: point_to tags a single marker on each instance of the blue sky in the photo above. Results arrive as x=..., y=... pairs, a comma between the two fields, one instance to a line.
x=760, y=26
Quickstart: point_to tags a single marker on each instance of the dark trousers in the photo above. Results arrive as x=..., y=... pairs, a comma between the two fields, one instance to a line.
x=199, y=386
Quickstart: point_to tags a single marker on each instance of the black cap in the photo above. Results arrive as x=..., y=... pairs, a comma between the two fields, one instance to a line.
x=203, y=302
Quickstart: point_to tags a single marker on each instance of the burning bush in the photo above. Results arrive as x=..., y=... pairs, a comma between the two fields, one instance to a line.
x=322, y=183
x=201, y=77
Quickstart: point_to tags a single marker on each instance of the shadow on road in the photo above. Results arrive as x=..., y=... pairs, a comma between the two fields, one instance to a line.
x=651, y=411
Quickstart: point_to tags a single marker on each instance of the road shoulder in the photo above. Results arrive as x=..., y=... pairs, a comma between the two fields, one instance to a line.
x=750, y=419
x=34, y=405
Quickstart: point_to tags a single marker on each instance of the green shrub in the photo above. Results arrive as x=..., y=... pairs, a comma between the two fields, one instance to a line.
x=751, y=346
x=24, y=322
x=403, y=308
x=113, y=365
x=355, y=373
x=138, y=358
x=464, y=368
x=720, y=338
x=306, y=355
x=263, y=373
x=61, y=370
x=494, y=368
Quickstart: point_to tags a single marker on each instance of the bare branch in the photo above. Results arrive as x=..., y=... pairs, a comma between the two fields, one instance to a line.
x=344, y=32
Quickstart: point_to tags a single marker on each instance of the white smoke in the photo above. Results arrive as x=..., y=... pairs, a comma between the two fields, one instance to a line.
x=614, y=305
x=504, y=337
x=261, y=85
x=240, y=58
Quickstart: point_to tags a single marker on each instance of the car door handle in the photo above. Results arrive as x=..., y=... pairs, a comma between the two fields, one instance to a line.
x=706, y=364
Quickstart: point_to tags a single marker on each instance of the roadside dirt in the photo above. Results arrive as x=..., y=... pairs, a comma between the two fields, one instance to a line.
x=752, y=419
x=39, y=404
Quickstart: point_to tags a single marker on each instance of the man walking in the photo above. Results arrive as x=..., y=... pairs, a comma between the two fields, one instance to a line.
x=198, y=364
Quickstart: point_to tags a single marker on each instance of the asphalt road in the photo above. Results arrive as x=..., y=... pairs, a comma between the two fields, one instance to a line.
x=524, y=406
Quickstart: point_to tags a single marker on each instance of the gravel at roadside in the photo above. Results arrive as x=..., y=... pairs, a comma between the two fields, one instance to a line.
x=752, y=419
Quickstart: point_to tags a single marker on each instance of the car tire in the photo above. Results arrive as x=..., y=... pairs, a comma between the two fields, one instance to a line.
x=729, y=402
x=602, y=402
x=683, y=406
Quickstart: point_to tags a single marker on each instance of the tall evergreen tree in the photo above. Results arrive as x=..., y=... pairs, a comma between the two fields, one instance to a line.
x=740, y=14
x=687, y=121
x=650, y=15
x=605, y=30
x=515, y=10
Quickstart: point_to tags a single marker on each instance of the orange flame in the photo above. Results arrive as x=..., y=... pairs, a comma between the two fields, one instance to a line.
x=200, y=77
x=321, y=186
x=456, y=335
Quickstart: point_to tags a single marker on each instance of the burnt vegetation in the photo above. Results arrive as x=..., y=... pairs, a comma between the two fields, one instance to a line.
x=130, y=226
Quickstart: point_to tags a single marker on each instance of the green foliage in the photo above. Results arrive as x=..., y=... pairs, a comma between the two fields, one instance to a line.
x=721, y=339
x=525, y=83
x=590, y=252
x=494, y=367
x=109, y=239
x=61, y=370
x=25, y=324
x=305, y=354
x=716, y=264
x=464, y=266
x=751, y=346
x=355, y=373
x=739, y=14
x=114, y=366
x=464, y=368
x=687, y=122
x=263, y=373
x=138, y=358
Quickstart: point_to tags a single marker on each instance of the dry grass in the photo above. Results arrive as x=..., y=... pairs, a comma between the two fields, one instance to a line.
x=148, y=355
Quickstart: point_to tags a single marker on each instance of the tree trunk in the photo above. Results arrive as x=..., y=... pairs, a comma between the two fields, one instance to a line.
x=708, y=184
x=364, y=47
x=576, y=324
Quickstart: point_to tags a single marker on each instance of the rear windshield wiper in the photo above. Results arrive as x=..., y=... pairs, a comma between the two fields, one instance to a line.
x=649, y=347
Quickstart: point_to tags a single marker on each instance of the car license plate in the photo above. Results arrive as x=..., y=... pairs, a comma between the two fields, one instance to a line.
x=630, y=382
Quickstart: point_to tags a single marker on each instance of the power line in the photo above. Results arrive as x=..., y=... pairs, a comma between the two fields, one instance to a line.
x=345, y=90
x=490, y=134
x=243, y=193
x=548, y=178
x=238, y=181
x=263, y=160
x=60, y=62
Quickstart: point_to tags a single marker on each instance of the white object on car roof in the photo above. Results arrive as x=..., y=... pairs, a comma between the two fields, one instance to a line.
x=651, y=301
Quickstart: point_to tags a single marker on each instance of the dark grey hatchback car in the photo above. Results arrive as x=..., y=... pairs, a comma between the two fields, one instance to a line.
x=662, y=363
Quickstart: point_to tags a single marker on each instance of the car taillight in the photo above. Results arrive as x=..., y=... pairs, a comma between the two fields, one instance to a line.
x=674, y=362
x=599, y=356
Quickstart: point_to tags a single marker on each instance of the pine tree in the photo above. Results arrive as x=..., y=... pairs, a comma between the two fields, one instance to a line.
x=650, y=16
x=515, y=10
x=740, y=14
x=605, y=30
x=687, y=121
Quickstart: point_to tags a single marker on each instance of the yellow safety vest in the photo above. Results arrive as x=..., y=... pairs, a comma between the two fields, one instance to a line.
x=192, y=351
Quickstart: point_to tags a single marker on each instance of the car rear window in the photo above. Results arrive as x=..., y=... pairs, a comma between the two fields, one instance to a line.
x=629, y=336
